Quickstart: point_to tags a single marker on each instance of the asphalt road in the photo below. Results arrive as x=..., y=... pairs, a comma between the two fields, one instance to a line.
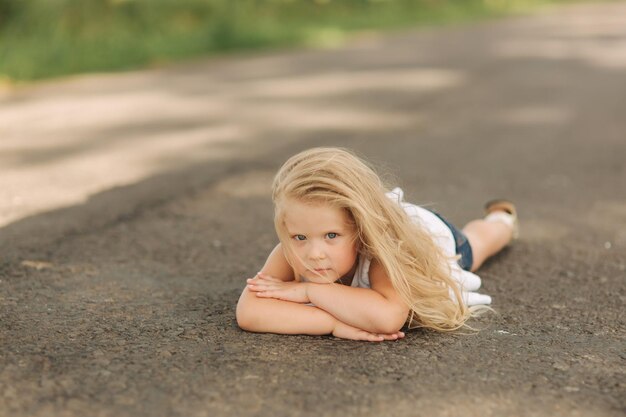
x=133, y=206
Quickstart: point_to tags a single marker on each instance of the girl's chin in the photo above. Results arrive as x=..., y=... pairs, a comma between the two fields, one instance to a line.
x=324, y=277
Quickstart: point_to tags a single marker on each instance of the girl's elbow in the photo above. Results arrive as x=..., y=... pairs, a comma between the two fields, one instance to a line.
x=245, y=316
x=242, y=321
x=247, y=322
x=390, y=328
x=393, y=322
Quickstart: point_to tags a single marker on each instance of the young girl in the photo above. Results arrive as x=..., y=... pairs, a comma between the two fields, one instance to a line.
x=357, y=262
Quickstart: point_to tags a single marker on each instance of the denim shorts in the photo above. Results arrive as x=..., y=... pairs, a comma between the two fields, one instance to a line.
x=463, y=247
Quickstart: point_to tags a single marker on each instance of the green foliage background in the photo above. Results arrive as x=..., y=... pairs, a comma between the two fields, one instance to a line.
x=48, y=38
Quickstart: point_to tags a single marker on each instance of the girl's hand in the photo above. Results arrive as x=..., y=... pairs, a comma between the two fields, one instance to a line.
x=346, y=331
x=267, y=286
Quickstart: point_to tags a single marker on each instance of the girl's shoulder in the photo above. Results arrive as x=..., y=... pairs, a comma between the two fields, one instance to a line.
x=381, y=283
x=277, y=266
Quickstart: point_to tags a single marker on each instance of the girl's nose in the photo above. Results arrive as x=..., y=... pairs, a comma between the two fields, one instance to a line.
x=317, y=252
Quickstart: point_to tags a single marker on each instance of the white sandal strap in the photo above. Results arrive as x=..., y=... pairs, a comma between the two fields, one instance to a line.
x=502, y=217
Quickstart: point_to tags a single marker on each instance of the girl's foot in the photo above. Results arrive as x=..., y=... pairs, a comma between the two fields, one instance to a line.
x=503, y=211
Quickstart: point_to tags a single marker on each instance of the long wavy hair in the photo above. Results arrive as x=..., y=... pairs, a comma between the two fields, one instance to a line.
x=416, y=266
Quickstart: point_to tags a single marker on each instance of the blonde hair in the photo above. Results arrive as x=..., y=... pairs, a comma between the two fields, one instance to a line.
x=416, y=266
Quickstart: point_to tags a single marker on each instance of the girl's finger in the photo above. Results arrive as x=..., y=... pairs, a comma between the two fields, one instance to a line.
x=270, y=277
x=370, y=337
x=393, y=336
x=268, y=294
x=257, y=286
x=255, y=278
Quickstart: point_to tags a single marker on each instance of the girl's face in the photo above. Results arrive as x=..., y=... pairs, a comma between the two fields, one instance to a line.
x=322, y=240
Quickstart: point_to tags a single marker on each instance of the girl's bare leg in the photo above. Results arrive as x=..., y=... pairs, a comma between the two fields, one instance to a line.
x=486, y=239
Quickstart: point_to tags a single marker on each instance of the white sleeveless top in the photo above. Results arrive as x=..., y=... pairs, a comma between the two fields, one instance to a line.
x=442, y=235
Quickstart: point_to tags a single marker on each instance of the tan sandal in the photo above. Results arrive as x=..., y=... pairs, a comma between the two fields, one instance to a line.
x=503, y=211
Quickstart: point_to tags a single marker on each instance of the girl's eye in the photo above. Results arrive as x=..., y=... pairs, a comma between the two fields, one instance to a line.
x=299, y=237
x=332, y=235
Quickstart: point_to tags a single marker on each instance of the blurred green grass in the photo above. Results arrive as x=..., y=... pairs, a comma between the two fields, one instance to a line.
x=50, y=38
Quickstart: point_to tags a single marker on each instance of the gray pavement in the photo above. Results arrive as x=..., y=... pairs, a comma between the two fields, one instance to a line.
x=133, y=206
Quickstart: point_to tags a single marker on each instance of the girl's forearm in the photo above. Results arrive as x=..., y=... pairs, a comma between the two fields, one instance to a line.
x=266, y=315
x=359, y=307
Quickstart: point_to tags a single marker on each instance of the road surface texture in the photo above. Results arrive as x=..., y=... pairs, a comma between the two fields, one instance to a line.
x=133, y=206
